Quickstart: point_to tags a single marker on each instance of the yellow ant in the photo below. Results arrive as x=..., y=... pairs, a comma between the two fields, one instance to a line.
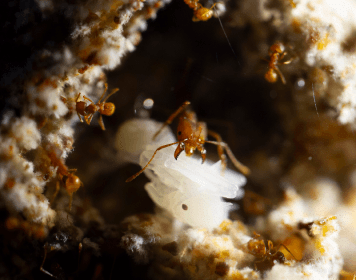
x=200, y=13
x=266, y=251
x=191, y=135
x=88, y=111
x=71, y=182
x=276, y=53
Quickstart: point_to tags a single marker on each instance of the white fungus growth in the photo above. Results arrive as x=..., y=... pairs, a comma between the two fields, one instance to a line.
x=26, y=133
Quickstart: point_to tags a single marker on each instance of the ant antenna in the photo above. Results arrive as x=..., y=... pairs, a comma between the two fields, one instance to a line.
x=106, y=88
x=244, y=169
x=112, y=92
x=288, y=251
x=222, y=27
x=138, y=173
x=316, y=108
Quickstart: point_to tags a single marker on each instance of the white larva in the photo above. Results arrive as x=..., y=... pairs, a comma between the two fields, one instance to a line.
x=200, y=187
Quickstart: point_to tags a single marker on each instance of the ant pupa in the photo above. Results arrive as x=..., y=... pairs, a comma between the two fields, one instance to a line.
x=88, y=111
x=200, y=12
x=276, y=53
x=71, y=182
x=191, y=135
x=266, y=251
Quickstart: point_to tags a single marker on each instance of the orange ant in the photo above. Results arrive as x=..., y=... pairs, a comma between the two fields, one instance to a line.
x=258, y=248
x=200, y=12
x=191, y=135
x=88, y=111
x=276, y=53
x=71, y=182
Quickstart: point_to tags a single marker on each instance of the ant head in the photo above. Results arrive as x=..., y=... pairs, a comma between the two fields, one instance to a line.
x=271, y=76
x=185, y=129
x=277, y=47
x=203, y=14
x=108, y=109
x=256, y=246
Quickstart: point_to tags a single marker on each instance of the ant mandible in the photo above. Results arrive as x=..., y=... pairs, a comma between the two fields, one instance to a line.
x=88, y=111
x=276, y=53
x=71, y=182
x=191, y=135
x=200, y=13
x=258, y=248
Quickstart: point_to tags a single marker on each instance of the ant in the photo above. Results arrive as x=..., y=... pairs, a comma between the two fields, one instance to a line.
x=258, y=248
x=200, y=13
x=276, y=53
x=71, y=182
x=191, y=135
x=88, y=111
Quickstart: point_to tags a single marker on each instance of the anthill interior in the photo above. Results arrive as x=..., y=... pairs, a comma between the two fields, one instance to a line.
x=179, y=60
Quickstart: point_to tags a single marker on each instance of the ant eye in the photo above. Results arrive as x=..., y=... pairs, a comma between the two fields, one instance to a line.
x=179, y=133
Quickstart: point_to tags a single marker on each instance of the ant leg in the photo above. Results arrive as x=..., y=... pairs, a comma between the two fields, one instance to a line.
x=70, y=202
x=101, y=122
x=171, y=118
x=77, y=97
x=111, y=93
x=215, y=5
x=280, y=75
x=138, y=173
x=80, y=248
x=80, y=118
x=221, y=153
x=285, y=62
x=44, y=259
x=280, y=245
x=288, y=61
x=106, y=88
x=244, y=169
x=88, y=118
x=56, y=192
x=87, y=98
